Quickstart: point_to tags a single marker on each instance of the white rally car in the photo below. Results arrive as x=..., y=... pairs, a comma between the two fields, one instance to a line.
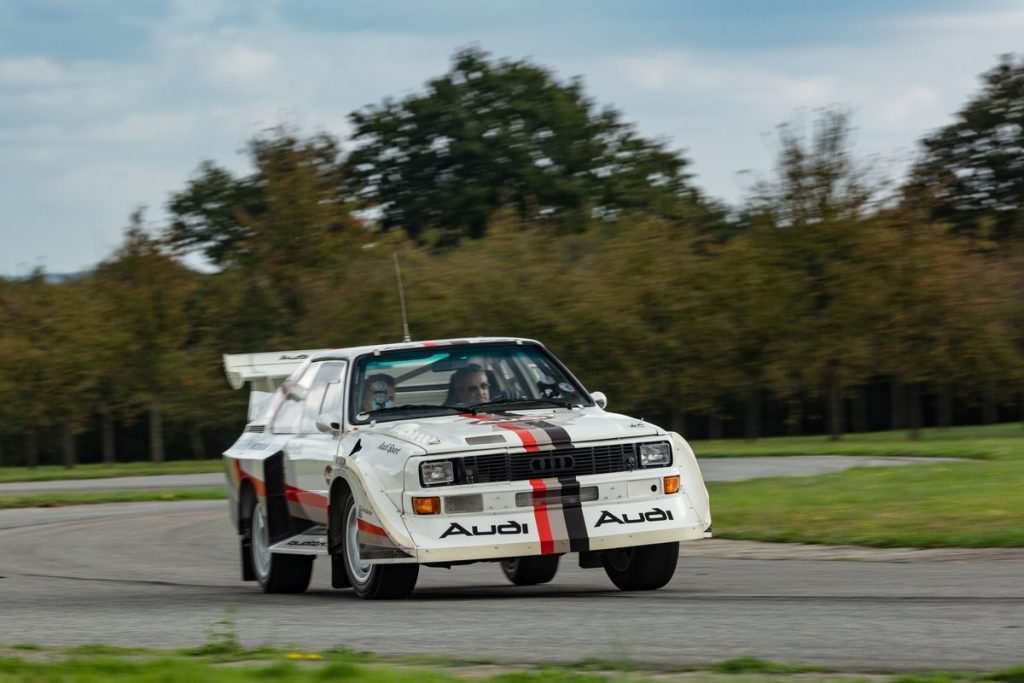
x=387, y=458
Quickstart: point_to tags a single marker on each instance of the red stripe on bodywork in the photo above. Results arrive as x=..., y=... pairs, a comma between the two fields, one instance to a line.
x=245, y=476
x=540, y=515
x=370, y=528
x=304, y=497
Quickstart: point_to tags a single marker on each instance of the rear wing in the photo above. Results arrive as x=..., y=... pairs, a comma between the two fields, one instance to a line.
x=264, y=371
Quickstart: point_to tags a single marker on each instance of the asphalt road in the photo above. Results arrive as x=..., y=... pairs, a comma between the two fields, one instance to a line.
x=164, y=574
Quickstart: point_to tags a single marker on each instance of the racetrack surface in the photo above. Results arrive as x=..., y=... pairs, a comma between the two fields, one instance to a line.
x=163, y=574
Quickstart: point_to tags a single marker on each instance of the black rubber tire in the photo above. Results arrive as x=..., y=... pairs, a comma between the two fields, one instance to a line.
x=335, y=533
x=378, y=581
x=283, y=573
x=643, y=567
x=530, y=571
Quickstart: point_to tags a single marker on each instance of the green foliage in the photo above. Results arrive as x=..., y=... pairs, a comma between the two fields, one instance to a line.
x=970, y=173
x=290, y=213
x=492, y=134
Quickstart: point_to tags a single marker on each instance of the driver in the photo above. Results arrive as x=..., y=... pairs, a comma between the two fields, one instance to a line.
x=468, y=385
x=378, y=392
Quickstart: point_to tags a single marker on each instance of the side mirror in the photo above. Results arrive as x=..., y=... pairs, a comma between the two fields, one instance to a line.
x=328, y=423
x=600, y=399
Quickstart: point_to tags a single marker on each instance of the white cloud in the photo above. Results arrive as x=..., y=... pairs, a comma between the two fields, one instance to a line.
x=146, y=127
x=136, y=184
x=31, y=71
x=243, y=65
x=983, y=22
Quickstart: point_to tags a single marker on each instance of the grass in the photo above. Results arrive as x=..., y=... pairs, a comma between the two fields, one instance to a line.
x=751, y=665
x=123, y=469
x=984, y=442
x=61, y=499
x=102, y=663
x=957, y=504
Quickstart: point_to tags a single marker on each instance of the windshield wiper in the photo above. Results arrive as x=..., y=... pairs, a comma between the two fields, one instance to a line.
x=506, y=402
x=411, y=406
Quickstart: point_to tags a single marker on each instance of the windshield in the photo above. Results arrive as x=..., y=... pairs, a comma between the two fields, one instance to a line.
x=439, y=380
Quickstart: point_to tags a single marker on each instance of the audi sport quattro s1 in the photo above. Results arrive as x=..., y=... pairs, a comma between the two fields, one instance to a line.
x=391, y=457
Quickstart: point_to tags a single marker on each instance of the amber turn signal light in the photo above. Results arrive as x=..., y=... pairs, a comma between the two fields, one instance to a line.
x=427, y=506
x=671, y=484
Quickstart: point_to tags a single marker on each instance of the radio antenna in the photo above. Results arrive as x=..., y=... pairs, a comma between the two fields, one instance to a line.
x=406, y=337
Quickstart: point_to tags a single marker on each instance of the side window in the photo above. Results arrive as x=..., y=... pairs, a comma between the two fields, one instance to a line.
x=329, y=375
x=286, y=421
x=332, y=398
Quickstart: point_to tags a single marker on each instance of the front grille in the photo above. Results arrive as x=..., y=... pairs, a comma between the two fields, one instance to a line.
x=255, y=428
x=561, y=462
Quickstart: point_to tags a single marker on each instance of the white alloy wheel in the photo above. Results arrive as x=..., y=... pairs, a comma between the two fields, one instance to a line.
x=260, y=544
x=359, y=571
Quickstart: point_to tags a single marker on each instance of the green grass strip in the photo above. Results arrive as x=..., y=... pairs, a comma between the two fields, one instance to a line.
x=101, y=663
x=124, y=469
x=957, y=504
x=36, y=500
x=988, y=442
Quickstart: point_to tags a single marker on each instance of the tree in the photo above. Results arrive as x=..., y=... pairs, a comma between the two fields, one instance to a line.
x=47, y=371
x=813, y=222
x=207, y=216
x=148, y=292
x=971, y=172
x=489, y=134
x=289, y=213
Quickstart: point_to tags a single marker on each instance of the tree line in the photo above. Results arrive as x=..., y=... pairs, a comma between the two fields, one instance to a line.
x=830, y=300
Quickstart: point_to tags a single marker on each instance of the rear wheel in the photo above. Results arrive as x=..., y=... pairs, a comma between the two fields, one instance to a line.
x=643, y=567
x=276, y=573
x=372, y=581
x=530, y=571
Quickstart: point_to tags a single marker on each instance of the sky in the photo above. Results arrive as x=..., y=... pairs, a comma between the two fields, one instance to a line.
x=110, y=105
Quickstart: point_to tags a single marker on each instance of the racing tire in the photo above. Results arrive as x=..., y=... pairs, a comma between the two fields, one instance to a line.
x=372, y=581
x=530, y=571
x=642, y=567
x=275, y=572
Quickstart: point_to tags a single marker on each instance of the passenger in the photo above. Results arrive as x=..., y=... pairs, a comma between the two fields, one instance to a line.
x=468, y=385
x=378, y=392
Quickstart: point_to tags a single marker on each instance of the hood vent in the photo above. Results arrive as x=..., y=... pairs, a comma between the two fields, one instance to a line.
x=489, y=438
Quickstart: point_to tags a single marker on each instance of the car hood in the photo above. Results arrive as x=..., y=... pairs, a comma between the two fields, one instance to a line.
x=542, y=429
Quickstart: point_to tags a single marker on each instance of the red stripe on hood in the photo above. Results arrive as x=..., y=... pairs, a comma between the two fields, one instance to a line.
x=525, y=435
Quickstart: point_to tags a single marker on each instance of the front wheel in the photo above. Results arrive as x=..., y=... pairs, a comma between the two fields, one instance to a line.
x=276, y=573
x=643, y=567
x=530, y=571
x=372, y=581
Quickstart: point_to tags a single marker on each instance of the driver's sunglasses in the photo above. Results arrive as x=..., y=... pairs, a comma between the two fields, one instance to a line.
x=483, y=386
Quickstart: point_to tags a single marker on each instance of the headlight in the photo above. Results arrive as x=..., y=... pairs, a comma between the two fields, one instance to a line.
x=655, y=455
x=437, y=472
